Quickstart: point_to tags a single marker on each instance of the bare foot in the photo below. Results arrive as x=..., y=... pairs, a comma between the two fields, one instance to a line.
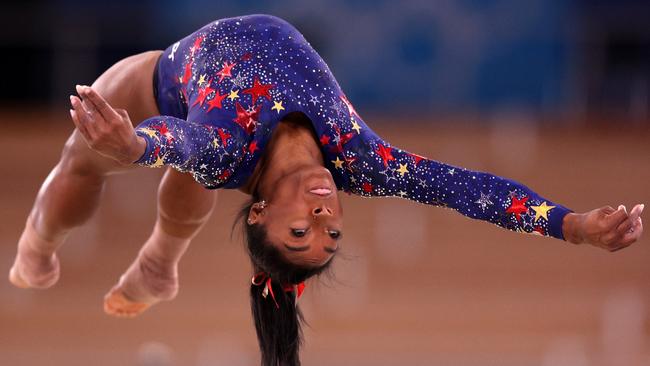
x=144, y=284
x=34, y=266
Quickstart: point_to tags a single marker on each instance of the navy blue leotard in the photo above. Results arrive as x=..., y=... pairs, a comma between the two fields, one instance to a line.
x=223, y=89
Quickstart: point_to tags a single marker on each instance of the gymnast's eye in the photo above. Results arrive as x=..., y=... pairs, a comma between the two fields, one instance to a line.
x=298, y=233
x=334, y=234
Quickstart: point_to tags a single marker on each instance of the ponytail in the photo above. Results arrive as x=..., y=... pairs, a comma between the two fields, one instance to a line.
x=278, y=326
x=276, y=315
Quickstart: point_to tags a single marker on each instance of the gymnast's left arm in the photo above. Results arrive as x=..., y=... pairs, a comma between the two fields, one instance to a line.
x=389, y=171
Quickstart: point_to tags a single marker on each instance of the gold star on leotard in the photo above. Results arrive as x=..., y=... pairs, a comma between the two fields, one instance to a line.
x=215, y=143
x=149, y=132
x=159, y=162
x=201, y=80
x=356, y=127
x=277, y=106
x=338, y=163
x=234, y=94
x=402, y=170
x=542, y=211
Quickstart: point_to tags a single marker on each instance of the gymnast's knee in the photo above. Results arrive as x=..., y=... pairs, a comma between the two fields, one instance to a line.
x=182, y=201
x=78, y=159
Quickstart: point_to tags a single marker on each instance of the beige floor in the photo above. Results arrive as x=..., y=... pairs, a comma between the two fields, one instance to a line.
x=415, y=285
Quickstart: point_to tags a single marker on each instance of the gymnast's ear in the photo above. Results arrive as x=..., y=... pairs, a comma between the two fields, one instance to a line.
x=256, y=213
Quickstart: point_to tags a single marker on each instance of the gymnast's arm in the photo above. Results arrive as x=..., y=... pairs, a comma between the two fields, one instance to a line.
x=201, y=150
x=390, y=171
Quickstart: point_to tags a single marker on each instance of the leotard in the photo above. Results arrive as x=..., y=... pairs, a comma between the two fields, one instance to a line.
x=222, y=90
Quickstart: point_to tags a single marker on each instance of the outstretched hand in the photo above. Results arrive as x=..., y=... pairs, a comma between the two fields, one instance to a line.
x=605, y=227
x=108, y=131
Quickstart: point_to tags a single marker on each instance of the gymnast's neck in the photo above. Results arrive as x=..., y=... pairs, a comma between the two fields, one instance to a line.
x=293, y=146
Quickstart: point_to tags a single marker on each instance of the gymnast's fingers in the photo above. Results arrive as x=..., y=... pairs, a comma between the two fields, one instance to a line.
x=99, y=103
x=615, y=218
x=625, y=226
x=607, y=209
x=633, y=235
x=122, y=112
x=628, y=226
x=88, y=106
x=82, y=118
x=78, y=125
x=636, y=212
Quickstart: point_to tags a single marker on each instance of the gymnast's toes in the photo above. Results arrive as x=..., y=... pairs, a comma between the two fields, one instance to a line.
x=16, y=279
x=34, y=271
x=144, y=284
x=118, y=305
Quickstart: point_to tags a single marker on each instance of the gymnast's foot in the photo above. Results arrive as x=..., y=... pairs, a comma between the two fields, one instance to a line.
x=144, y=284
x=34, y=266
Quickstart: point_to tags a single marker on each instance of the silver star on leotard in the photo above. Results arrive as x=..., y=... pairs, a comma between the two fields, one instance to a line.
x=238, y=81
x=484, y=201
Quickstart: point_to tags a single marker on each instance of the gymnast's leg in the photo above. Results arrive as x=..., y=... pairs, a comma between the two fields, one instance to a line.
x=68, y=198
x=183, y=208
x=70, y=194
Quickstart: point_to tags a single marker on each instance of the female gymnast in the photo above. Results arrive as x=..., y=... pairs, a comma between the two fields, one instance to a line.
x=246, y=103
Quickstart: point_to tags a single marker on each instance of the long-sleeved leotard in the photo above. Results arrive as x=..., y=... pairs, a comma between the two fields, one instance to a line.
x=224, y=88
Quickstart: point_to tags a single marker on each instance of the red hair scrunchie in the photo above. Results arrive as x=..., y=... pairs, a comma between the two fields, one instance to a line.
x=262, y=278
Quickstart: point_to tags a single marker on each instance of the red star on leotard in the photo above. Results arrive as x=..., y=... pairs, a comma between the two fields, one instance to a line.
x=224, y=136
x=345, y=138
x=164, y=131
x=417, y=158
x=247, y=119
x=259, y=90
x=324, y=140
x=187, y=75
x=540, y=230
x=518, y=206
x=252, y=147
x=225, y=71
x=385, y=153
x=223, y=176
x=367, y=187
x=197, y=44
x=216, y=101
x=351, y=109
x=203, y=93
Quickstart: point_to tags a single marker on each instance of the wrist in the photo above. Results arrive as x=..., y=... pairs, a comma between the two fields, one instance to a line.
x=571, y=225
x=138, y=149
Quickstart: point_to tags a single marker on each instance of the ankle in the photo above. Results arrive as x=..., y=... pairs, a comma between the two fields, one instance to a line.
x=164, y=249
x=32, y=242
x=157, y=265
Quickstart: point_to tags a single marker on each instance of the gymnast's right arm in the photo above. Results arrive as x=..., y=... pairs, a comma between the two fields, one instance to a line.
x=205, y=152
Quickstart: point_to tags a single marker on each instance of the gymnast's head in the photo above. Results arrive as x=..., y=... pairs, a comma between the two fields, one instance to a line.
x=300, y=217
x=291, y=230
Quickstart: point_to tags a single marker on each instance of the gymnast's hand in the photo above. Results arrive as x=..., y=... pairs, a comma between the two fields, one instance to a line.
x=604, y=227
x=108, y=131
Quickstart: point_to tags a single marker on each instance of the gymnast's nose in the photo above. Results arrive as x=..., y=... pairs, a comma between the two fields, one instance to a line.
x=321, y=211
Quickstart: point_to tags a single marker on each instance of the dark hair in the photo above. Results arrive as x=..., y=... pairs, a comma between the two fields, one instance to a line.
x=278, y=327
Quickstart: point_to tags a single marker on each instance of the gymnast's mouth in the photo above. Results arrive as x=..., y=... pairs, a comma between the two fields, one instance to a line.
x=321, y=191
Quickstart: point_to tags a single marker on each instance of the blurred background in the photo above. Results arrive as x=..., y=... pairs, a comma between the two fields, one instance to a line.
x=554, y=94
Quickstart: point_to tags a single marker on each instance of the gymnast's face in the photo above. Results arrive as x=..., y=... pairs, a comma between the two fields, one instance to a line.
x=303, y=217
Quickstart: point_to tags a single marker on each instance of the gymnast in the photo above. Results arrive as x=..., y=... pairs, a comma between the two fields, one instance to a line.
x=246, y=103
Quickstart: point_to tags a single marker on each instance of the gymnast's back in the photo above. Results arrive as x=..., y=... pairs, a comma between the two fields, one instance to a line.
x=239, y=77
